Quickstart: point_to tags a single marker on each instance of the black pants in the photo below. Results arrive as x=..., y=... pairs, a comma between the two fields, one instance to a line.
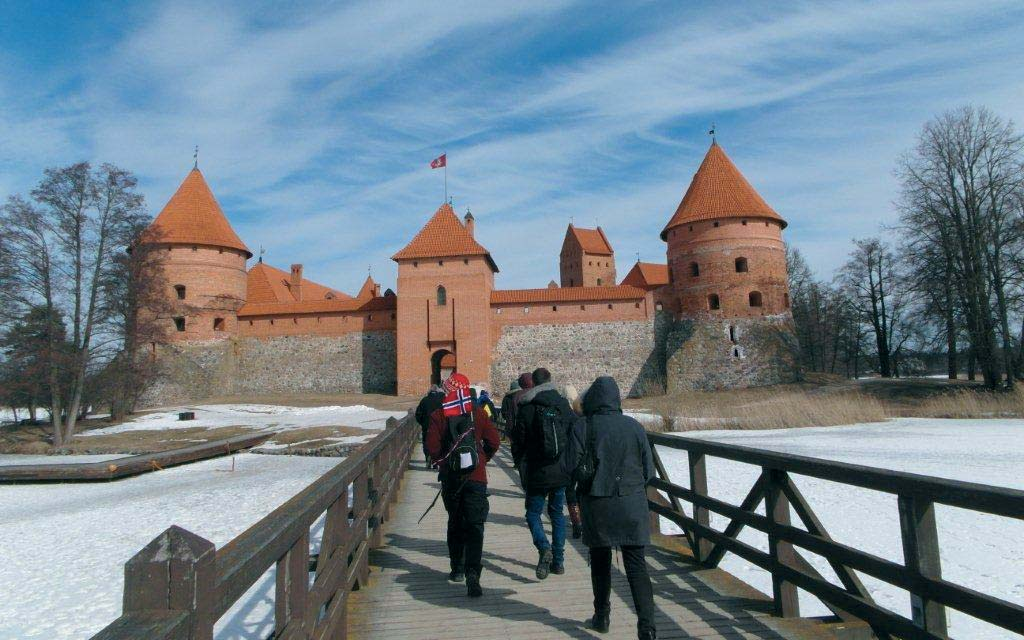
x=639, y=582
x=467, y=508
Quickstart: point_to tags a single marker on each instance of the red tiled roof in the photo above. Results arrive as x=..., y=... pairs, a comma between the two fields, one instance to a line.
x=566, y=294
x=383, y=303
x=592, y=241
x=192, y=216
x=443, y=235
x=719, y=190
x=368, y=289
x=647, y=275
x=268, y=285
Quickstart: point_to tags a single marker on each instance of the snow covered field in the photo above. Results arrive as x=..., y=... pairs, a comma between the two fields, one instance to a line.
x=256, y=416
x=63, y=547
x=979, y=551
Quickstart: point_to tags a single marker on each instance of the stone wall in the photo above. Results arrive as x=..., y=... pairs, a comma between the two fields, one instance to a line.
x=721, y=354
x=358, y=362
x=630, y=351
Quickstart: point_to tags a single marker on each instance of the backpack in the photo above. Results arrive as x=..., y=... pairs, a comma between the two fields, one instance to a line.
x=552, y=432
x=463, y=457
x=584, y=474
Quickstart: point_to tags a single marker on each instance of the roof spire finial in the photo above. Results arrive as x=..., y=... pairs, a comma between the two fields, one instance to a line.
x=262, y=251
x=711, y=132
x=195, y=158
x=638, y=257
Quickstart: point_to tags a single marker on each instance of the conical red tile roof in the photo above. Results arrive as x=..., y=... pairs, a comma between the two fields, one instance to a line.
x=192, y=216
x=443, y=236
x=719, y=190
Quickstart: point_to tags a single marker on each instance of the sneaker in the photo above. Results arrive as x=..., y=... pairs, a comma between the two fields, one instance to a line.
x=456, y=576
x=473, y=589
x=557, y=568
x=600, y=622
x=544, y=564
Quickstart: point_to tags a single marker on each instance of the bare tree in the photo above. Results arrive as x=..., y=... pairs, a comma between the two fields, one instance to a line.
x=875, y=288
x=961, y=189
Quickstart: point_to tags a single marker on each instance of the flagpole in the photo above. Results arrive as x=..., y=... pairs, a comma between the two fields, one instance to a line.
x=445, y=154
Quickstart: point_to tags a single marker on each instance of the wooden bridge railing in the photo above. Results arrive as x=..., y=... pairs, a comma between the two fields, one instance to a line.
x=179, y=585
x=920, y=573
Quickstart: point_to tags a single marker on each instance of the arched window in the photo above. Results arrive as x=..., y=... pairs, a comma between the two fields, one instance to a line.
x=442, y=296
x=741, y=265
x=694, y=269
x=755, y=298
x=713, y=302
x=180, y=290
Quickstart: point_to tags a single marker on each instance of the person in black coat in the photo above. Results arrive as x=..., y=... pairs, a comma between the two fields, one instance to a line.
x=428, y=405
x=544, y=479
x=615, y=512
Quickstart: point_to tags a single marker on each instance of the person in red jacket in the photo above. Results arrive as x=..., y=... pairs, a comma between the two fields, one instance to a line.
x=464, y=494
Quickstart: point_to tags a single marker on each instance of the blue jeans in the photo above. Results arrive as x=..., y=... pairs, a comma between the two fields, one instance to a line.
x=555, y=500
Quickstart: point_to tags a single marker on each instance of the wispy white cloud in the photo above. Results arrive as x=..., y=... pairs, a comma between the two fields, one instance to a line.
x=315, y=127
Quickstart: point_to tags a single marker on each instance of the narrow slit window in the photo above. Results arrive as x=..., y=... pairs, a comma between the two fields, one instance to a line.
x=713, y=302
x=179, y=289
x=179, y=323
x=694, y=270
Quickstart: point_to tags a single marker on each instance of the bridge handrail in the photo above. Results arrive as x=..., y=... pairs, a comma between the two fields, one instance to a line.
x=179, y=585
x=920, y=573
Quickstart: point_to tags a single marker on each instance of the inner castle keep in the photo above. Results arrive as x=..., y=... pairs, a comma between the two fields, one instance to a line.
x=715, y=315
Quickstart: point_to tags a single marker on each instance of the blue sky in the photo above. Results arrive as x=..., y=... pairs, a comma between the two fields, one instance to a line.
x=316, y=123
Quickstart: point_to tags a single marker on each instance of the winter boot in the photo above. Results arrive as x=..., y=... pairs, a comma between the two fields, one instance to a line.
x=649, y=634
x=473, y=589
x=544, y=564
x=576, y=520
x=601, y=621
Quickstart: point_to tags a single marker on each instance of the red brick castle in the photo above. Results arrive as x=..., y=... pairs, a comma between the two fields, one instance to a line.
x=715, y=316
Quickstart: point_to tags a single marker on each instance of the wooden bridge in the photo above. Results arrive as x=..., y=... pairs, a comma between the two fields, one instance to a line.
x=378, y=574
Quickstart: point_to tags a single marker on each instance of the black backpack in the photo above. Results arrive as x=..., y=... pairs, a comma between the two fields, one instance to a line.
x=463, y=456
x=552, y=432
x=584, y=474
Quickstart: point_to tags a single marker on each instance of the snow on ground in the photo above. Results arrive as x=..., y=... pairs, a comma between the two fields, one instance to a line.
x=256, y=416
x=64, y=546
x=980, y=551
x=15, y=459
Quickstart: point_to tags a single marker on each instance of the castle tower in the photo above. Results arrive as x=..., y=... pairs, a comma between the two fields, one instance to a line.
x=203, y=263
x=587, y=258
x=445, y=279
x=725, y=251
x=727, y=269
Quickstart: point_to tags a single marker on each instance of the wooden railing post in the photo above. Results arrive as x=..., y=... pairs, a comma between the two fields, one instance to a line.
x=921, y=557
x=784, y=593
x=174, y=572
x=292, y=587
x=699, y=485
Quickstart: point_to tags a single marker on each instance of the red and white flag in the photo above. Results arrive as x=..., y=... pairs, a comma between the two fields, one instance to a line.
x=439, y=161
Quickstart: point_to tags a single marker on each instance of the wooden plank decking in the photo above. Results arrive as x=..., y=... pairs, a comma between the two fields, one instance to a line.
x=409, y=596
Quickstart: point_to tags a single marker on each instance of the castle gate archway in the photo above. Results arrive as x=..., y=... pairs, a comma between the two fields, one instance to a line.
x=442, y=364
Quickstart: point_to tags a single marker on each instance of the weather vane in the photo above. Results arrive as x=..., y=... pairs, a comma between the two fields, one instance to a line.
x=195, y=158
x=711, y=132
x=262, y=251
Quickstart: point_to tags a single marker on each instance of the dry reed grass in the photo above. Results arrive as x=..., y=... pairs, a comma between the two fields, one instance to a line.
x=795, y=406
x=973, y=403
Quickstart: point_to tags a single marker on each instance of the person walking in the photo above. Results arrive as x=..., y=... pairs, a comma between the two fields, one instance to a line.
x=508, y=407
x=461, y=440
x=512, y=427
x=545, y=419
x=615, y=512
x=572, y=501
x=428, y=405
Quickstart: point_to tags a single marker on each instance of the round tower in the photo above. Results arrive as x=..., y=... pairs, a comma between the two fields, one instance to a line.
x=725, y=251
x=202, y=262
x=730, y=291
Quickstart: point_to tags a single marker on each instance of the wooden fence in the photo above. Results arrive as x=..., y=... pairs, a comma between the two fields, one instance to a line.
x=179, y=585
x=920, y=573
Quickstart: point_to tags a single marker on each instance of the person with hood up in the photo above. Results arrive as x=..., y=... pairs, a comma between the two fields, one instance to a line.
x=464, y=494
x=615, y=512
x=428, y=405
x=546, y=476
x=508, y=407
x=484, y=402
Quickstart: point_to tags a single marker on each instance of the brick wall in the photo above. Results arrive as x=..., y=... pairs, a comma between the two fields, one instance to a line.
x=214, y=281
x=317, y=324
x=630, y=351
x=715, y=247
